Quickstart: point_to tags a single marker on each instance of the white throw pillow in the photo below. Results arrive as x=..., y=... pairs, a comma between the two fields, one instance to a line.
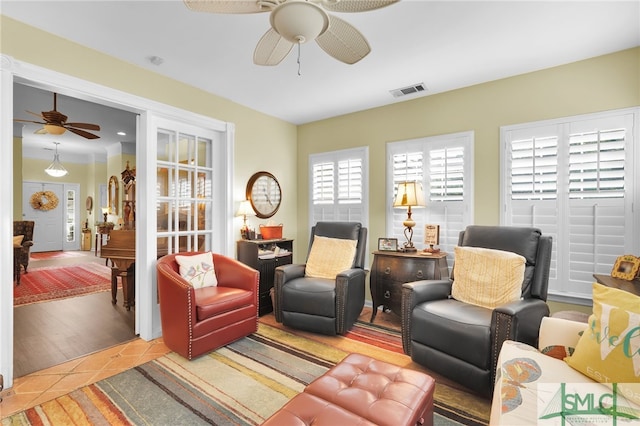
x=487, y=277
x=198, y=270
x=330, y=256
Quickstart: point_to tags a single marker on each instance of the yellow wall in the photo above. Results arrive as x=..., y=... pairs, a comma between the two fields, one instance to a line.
x=598, y=84
x=255, y=134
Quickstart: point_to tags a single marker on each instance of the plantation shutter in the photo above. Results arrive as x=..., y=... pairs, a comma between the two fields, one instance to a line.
x=443, y=165
x=597, y=204
x=339, y=186
x=571, y=178
x=533, y=183
x=446, y=192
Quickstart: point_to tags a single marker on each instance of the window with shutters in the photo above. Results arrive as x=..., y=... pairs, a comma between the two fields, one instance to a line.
x=444, y=167
x=574, y=179
x=339, y=186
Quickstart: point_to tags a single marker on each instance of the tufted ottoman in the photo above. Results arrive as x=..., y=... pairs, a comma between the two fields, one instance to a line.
x=360, y=390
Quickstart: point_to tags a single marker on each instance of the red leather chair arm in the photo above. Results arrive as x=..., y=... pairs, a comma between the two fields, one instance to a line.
x=177, y=304
x=232, y=273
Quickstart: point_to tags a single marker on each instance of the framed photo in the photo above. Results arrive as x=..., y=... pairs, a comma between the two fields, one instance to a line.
x=432, y=235
x=387, y=244
x=626, y=267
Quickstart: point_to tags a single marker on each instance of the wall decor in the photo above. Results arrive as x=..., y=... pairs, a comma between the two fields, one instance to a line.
x=44, y=201
x=264, y=193
x=626, y=267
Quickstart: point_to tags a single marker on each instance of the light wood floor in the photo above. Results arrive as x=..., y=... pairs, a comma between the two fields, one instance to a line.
x=50, y=333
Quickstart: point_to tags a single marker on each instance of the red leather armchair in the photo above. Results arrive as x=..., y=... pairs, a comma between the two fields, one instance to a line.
x=197, y=321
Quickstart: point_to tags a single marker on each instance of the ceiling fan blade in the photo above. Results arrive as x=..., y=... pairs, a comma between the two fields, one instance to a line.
x=28, y=121
x=227, y=6
x=37, y=115
x=343, y=41
x=271, y=49
x=348, y=6
x=83, y=126
x=82, y=133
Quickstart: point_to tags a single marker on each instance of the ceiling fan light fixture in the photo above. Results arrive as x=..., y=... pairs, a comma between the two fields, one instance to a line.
x=56, y=169
x=299, y=21
x=52, y=129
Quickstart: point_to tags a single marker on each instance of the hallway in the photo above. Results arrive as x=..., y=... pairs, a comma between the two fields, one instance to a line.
x=50, y=333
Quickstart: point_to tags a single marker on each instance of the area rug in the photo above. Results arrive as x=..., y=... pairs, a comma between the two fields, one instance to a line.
x=47, y=255
x=44, y=284
x=240, y=384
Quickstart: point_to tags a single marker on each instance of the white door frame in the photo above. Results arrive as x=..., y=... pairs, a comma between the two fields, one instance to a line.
x=147, y=312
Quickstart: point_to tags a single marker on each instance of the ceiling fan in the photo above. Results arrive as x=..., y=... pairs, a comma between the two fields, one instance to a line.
x=299, y=21
x=55, y=123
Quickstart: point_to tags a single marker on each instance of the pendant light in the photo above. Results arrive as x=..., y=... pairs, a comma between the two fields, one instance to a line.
x=56, y=169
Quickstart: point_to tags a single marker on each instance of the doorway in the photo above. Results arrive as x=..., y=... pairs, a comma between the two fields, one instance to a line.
x=147, y=318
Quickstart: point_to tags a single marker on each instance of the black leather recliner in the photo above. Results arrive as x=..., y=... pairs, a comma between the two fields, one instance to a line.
x=323, y=305
x=462, y=341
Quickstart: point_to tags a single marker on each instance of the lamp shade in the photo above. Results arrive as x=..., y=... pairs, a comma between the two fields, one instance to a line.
x=245, y=209
x=56, y=169
x=409, y=194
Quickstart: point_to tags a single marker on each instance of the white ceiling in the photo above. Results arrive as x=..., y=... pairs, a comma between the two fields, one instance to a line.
x=444, y=44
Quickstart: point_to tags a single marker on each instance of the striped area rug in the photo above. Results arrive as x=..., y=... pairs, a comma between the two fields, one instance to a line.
x=52, y=283
x=240, y=384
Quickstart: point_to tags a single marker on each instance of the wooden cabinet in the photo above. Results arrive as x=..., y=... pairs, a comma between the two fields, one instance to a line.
x=265, y=256
x=392, y=269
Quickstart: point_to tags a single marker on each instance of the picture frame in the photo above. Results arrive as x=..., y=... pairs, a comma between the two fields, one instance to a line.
x=626, y=267
x=432, y=234
x=387, y=244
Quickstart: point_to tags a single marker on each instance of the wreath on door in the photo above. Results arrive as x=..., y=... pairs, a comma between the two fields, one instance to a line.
x=44, y=200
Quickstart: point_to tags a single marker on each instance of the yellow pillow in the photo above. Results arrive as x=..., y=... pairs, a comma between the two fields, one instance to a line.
x=487, y=277
x=609, y=349
x=17, y=240
x=198, y=270
x=330, y=256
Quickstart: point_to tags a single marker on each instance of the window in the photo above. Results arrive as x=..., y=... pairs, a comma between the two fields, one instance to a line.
x=444, y=167
x=573, y=179
x=339, y=186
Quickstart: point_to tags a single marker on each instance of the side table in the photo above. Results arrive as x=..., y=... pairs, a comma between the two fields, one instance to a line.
x=259, y=255
x=609, y=281
x=391, y=269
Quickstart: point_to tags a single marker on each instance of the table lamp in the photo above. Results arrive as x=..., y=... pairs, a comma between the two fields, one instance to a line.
x=245, y=210
x=409, y=194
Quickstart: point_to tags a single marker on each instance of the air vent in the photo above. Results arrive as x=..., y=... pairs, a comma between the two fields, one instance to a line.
x=403, y=91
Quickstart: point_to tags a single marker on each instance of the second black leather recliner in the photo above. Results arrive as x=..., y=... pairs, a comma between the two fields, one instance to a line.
x=323, y=305
x=462, y=341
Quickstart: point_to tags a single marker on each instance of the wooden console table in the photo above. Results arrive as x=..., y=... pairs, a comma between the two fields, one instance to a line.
x=609, y=281
x=392, y=269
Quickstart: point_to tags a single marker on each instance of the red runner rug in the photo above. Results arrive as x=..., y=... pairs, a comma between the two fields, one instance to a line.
x=46, y=255
x=46, y=284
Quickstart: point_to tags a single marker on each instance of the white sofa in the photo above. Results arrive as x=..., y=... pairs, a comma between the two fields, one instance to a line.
x=528, y=381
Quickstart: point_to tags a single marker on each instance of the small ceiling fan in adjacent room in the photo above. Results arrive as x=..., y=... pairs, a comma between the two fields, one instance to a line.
x=299, y=21
x=55, y=123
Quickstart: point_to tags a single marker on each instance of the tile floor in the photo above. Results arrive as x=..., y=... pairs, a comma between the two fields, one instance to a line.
x=45, y=385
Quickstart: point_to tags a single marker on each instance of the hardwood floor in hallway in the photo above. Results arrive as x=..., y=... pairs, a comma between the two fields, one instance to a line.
x=50, y=333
